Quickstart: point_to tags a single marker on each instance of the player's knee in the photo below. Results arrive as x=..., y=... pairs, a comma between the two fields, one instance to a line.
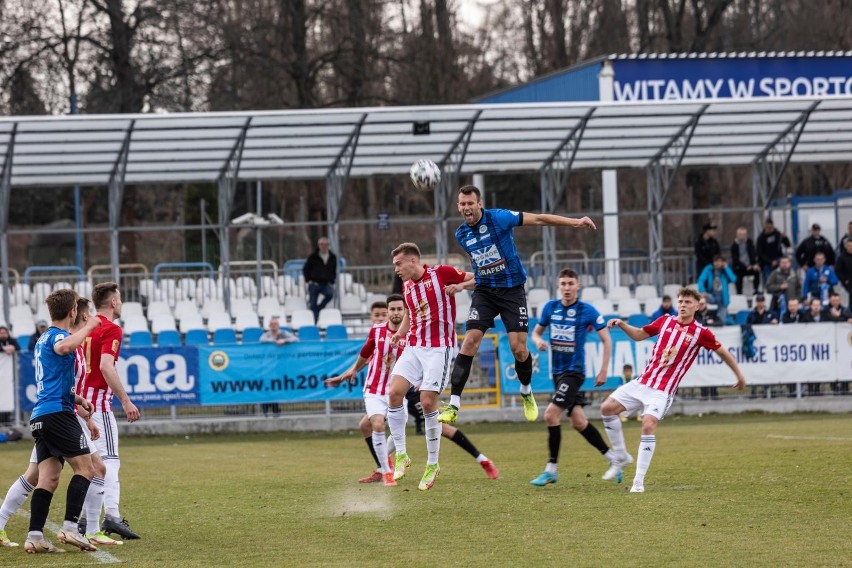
x=579, y=424
x=471, y=342
x=552, y=415
x=610, y=408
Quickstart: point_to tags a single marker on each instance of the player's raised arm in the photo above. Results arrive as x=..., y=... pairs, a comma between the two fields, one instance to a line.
x=634, y=333
x=732, y=363
x=467, y=284
x=349, y=374
x=557, y=220
x=73, y=341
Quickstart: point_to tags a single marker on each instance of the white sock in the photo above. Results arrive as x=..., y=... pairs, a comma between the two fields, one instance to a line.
x=433, y=437
x=455, y=400
x=612, y=425
x=647, y=445
x=609, y=455
x=391, y=446
x=381, y=448
x=69, y=526
x=481, y=458
x=551, y=468
x=92, y=505
x=112, y=487
x=15, y=497
x=396, y=422
x=526, y=389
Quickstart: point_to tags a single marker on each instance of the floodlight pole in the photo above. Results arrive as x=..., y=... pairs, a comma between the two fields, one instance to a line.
x=555, y=172
x=451, y=164
x=115, y=191
x=227, y=185
x=5, y=199
x=336, y=180
x=661, y=172
x=769, y=165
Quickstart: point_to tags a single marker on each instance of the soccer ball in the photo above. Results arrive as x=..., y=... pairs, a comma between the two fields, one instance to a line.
x=425, y=175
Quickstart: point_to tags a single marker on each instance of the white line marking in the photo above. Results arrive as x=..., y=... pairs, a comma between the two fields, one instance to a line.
x=100, y=555
x=823, y=438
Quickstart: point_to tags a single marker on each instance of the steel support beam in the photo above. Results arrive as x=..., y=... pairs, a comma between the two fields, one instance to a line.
x=336, y=180
x=115, y=191
x=451, y=166
x=227, y=185
x=769, y=165
x=5, y=198
x=661, y=172
x=555, y=172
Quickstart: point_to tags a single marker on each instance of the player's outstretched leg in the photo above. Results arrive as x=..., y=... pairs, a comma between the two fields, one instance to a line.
x=458, y=380
x=455, y=435
x=524, y=371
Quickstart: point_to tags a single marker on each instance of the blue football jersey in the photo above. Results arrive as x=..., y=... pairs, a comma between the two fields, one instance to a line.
x=491, y=247
x=54, y=375
x=568, y=328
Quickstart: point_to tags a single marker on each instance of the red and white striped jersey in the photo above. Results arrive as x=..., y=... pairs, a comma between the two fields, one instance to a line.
x=79, y=371
x=432, y=311
x=382, y=356
x=104, y=339
x=675, y=351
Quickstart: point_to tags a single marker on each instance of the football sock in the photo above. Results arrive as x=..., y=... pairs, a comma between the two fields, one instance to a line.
x=92, y=506
x=39, y=507
x=74, y=499
x=612, y=425
x=460, y=374
x=647, y=445
x=396, y=422
x=433, y=437
x=369, y=440
x=381, y=450
x=15, y=497
x=593, y=436
x=554, y=439
x=112, y=487
x=460, y=439
x=455, y=400
x=524, y=371
x=551, y=468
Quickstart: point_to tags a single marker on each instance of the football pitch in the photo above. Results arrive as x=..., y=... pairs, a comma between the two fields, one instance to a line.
x=755, y=490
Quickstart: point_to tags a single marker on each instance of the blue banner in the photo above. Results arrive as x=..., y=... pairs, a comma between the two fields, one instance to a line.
x=152, y=376
x=735, y=78
x=293, y=372
x=624, y=351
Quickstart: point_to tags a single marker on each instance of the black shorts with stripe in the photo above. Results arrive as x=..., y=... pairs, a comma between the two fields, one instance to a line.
x=567, y=393
x=58, y=435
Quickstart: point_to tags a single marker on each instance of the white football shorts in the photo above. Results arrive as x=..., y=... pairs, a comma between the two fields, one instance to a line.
x=107, y=444
x=636, y=396
x=428, y=368
x=376, y=404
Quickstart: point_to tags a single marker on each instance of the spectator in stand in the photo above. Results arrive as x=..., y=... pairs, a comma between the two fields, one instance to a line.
x=784, y=283
x=714, y=282
x=8, y=346
x=706, y=248
x=815, y=310
x=41, y=327
x=760, y=315
x=744, y=260
x=820, y=279
x=279, y=337
x=320, y=272
x=705, y=315
x=815, y=243
x=841, y=244
x=835, y=311
x=665, y=308
x=843, y=267
x=794, y=313
x=770, y=248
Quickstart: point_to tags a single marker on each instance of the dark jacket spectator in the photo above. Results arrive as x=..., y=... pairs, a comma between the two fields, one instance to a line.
x=318, y=269
x=843, y=267
x=41, y=327
x=760, y=315
x=835, y=311
x=794, y=313
x=744, y=260
x=665, y=308
x=8, y=343
x=812, y=245
x=841, y=244
x=770, y=247
x=706, y=247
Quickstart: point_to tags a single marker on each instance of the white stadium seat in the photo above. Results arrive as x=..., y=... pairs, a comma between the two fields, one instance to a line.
x=163, y=322
x=628, y=307
x=302, y=318
x=131, y=309
x=652, y=305
x=245, y=319
x=219, y=320
x=604, y=307
x=269, y=305
x=329, y=316
x=737, y=303
x=135, y=323
x=618, y=293
x=191, y=321
x=157, y=308
x=645, y=291
x=591, y=294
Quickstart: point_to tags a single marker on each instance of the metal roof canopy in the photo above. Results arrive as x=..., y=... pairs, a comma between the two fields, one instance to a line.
x=335, y=144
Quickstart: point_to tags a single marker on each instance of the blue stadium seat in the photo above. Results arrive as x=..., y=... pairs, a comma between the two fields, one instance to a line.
x=141, y=339
x=252, y=334
x=336, y=331
x=309, y=333
x=638, y=320
x=168, y=338
x=196, y=337
x=224, y=335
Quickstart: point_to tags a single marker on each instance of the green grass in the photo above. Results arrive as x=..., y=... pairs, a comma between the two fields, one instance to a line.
x=721, y=491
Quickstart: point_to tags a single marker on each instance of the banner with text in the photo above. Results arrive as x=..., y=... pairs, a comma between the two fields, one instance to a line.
x=819, y=352
x=152, y=376
x=267, y=373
